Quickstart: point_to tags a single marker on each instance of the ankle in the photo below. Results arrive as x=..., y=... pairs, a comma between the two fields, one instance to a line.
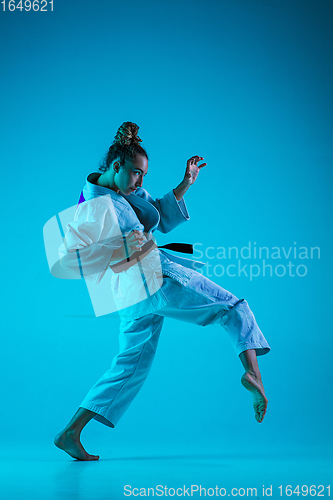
x=254, y=373
x=72, y=432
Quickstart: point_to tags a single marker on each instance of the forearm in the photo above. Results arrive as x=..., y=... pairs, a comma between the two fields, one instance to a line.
x=118, y=254
x=180, y=190
x=132, y=243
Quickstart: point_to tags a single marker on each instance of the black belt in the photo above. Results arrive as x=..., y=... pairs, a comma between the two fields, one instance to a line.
x=146, y=248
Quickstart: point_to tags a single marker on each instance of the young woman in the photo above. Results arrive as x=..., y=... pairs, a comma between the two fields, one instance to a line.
x=113, y=226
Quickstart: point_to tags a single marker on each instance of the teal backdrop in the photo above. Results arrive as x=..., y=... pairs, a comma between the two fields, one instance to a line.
x=247, y=84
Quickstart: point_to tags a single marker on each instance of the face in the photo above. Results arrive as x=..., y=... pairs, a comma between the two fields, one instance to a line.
x=130, y=176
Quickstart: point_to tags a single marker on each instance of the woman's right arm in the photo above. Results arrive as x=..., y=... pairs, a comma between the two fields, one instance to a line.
x=94, y=240
x=91, y=239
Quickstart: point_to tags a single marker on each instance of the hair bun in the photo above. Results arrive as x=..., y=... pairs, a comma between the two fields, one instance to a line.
x=125, y=147
x=127, y=134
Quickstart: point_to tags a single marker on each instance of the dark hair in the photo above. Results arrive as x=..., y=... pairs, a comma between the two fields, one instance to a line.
x=125, y=146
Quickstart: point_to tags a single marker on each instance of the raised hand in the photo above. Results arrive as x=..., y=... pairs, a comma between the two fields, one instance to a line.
x=192, y=169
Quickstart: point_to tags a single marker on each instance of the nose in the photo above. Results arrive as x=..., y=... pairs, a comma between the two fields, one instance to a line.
x=139, y=181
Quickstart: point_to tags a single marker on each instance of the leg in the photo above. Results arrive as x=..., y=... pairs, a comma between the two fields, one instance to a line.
x=109, y=398
x=203, y=302
x=251, y=380
x=115, y=390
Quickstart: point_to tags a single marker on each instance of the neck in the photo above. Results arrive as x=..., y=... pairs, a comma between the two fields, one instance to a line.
x=107, y=180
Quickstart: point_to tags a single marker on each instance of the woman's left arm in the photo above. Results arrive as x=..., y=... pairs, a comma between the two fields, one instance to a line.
x=172, y=207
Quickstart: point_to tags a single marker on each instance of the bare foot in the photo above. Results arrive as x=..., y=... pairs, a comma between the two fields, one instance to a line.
x=252, y=382
x=69, y=441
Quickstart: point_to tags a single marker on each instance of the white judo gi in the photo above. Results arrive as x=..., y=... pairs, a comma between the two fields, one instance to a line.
x=168, y=286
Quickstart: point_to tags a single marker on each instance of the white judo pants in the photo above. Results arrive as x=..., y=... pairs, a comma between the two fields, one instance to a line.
x=201, y=302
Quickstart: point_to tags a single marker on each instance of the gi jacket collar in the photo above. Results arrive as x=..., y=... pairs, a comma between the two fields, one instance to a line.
x=145, y=211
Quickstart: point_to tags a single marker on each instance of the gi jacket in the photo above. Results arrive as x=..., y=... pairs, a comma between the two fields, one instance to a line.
x=100, y=224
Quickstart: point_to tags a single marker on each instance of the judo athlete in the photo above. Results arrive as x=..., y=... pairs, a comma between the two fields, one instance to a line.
x=114, y=222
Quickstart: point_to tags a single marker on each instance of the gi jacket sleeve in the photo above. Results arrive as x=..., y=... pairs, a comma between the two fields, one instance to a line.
x=91, y=239
x=172, y=212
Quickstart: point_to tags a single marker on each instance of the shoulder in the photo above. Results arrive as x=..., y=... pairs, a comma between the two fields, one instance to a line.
x=95, y=208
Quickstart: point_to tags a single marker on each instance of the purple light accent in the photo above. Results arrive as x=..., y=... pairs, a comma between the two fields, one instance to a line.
x=82, y=199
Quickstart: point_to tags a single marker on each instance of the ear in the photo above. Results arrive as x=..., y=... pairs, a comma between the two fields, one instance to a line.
x=116, y=166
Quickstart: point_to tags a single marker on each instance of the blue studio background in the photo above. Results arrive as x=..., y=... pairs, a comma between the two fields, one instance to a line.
x=247, y=84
